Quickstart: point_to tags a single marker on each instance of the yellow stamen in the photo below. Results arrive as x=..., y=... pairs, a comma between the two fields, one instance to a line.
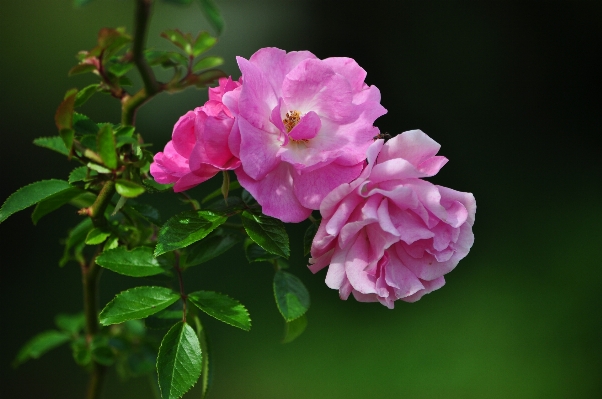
x=291, y=120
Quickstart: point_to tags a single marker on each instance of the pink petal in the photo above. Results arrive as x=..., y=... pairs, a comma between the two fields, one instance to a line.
x=276, y=63
x=258, y=150
x=312, y=187
x=356, y=261
x=349, y=69
x=313, y=86
x=404, y=282
x=413, y=146
x=183, y=136
x=429, y=286
x=190, y=180
x=257, y=97
x=466, y=199
x=317, y=264
x=275, y=194
x=307, y=128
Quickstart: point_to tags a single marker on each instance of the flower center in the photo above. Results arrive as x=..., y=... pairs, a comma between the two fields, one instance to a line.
x=291, y=120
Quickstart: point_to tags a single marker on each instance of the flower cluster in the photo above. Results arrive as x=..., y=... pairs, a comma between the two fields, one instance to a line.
x=297, y=132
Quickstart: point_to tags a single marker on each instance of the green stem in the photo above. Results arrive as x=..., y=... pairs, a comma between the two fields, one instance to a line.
x=181, y=282
x=97, y=210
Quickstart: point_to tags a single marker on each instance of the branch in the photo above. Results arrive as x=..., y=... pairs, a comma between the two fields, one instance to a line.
x=97, y=210
x=130, y=104
x=90, y=275
x=181, y=282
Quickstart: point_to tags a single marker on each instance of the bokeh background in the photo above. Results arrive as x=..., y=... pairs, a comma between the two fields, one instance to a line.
x=512, y=92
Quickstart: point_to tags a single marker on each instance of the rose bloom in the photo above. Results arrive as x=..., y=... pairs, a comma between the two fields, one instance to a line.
x=304, y=127
x=390, y=235
x=199, y=146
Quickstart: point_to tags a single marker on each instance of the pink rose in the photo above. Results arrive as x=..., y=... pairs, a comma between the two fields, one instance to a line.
x=389, y=234
x=304, y=127
x=199, y=146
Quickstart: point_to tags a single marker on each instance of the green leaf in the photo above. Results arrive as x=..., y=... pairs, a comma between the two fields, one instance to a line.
x=30, y=195
x=308, y=238
x=156, y=187
x=294, y=328
x=101, y=351
x=138, y=262
x=268, y=232
x=67, y=135
x=145, y=211
x=212, y=14
x=97, y=236
x=178, y=38
x=214, y=194
x=125, y=81
x=64, y=114
x=71, y=323
x=98, y=168
x=128, y=189
x=179, y=363
x=202, y=79
x=111, y=243
x=186, y=228
x=120, y=203
x=110, y=41
x=222, y=307
x=78, y=174
x=81, y=351
x=291, y=295
x=39, y=345
x=106, y=146
x=54, y=143
x=137, y=303
x=208, y=248
x=81, y=68
x=84, y=94
x=75, y=242
x=204, y=41
x=54, y=202
x=84, y=125
x=125, y=131
x=119, y=68
x=167, y=59
x=255, y=253
x=207, y=62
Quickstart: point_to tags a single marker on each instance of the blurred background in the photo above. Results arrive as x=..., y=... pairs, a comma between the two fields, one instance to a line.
x=511, y=90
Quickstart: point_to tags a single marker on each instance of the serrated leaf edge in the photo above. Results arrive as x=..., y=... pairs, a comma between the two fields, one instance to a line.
x=223, y=321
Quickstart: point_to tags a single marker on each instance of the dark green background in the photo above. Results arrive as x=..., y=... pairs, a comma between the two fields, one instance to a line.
x=511, y=91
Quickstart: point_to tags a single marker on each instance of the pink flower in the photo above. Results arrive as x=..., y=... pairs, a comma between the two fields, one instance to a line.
x=304, y=127
x=199, y=146
x=390, y=235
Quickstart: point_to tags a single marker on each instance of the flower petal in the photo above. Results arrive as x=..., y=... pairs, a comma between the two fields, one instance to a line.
x=275, y=194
